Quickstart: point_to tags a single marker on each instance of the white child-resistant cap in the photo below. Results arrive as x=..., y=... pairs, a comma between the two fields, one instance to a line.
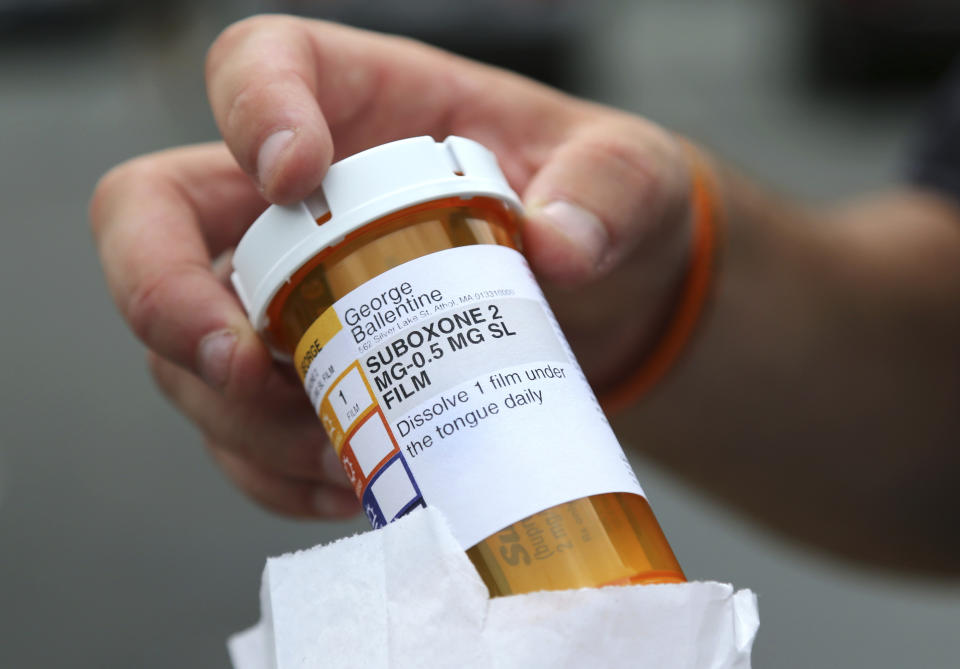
x=356, y=191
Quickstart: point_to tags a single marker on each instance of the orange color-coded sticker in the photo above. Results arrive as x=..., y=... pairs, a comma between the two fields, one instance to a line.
x=316, y=337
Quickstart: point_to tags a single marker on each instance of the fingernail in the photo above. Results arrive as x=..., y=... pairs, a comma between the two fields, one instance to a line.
x=582, y=228
x=270, y=152
x=331, y=502
x=214, y=355
x=333, y=468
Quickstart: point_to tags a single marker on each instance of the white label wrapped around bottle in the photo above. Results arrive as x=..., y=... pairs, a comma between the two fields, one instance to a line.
x=446, y=381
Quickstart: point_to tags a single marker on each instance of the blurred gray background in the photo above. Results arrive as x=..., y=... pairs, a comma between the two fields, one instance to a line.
x=121, y=545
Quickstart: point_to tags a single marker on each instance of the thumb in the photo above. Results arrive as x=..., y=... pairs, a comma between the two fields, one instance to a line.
x=603, y=193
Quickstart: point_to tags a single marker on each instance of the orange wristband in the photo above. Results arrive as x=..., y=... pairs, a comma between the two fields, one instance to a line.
x=693, y=295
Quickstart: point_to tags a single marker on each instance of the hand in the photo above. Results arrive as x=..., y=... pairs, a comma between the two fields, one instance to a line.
x=606, y=196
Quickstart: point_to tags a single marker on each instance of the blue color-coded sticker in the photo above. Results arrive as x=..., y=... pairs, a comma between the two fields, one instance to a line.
x=391, y=493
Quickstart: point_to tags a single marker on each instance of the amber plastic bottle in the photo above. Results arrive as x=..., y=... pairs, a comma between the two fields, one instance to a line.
x=599, y=540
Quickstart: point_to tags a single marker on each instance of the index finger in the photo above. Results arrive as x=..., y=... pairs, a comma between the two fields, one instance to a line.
x=158, y=220
x=290, y=95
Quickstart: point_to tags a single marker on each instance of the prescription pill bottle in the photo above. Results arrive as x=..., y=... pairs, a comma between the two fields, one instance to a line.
x=398, y=293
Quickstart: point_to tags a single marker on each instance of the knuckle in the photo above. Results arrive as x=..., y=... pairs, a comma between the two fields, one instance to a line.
x=239, y=32
x=119, y=179
x=646, y=160
x=250, y=114
x=149, y=301
x=249, y=98
x=638, y=160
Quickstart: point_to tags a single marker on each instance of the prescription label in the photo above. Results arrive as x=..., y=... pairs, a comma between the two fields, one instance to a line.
x=446, y=382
